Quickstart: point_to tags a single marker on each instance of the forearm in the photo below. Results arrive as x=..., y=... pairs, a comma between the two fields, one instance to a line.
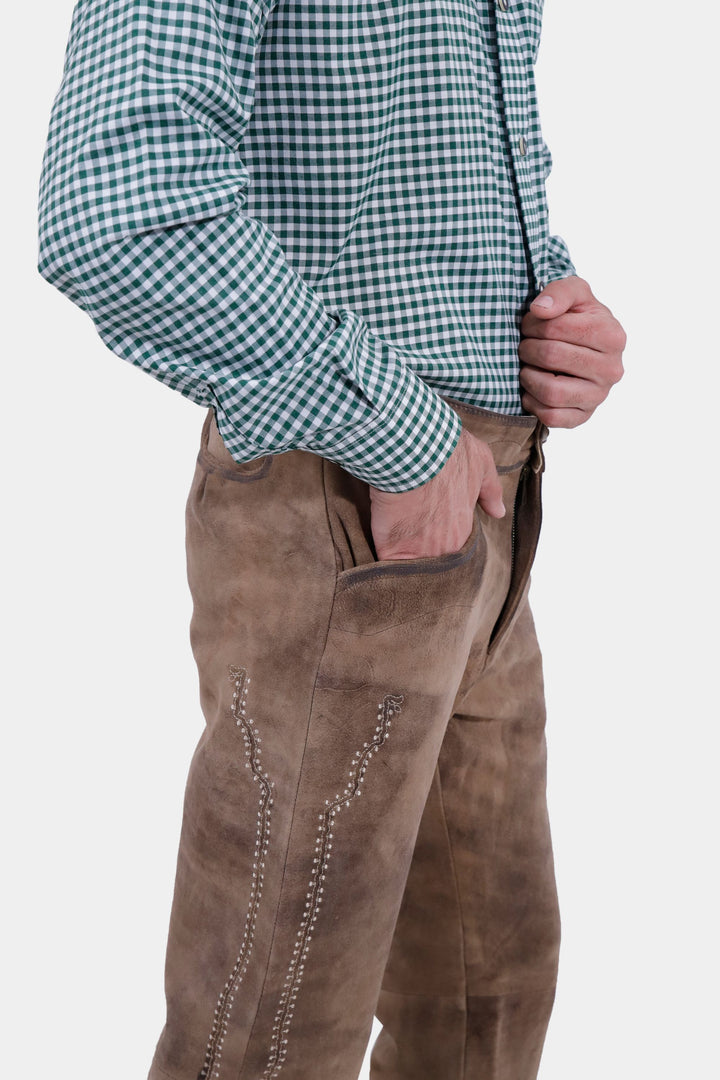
x=142, y=225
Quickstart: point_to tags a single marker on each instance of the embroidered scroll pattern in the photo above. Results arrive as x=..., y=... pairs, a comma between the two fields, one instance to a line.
x=388, y=707
x=213, y=1054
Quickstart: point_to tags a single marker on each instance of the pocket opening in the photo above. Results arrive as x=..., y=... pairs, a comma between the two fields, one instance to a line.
x=424, y=564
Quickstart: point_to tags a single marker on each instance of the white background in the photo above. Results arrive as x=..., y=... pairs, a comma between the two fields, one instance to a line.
x=100, y=706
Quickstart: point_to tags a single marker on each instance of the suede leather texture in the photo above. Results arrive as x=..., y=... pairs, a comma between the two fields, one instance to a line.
x=365, y=827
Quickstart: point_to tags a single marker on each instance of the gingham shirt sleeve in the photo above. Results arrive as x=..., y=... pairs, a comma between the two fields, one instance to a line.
x=560, y=264
x=142, y=225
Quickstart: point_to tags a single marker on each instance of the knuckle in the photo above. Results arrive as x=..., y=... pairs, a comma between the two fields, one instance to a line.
x=555, y=396
x=582, y=361
x=525, y=349
x=585, y=329
x=553, y=354
x=552, y=329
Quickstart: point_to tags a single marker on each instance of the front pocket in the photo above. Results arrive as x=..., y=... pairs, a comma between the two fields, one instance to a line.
x=426, y=564
x=349, y=515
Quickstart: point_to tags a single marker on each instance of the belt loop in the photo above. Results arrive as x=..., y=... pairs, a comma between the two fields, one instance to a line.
x=537, y=457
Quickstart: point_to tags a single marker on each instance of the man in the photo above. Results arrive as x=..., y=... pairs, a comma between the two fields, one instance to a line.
x=326, y=223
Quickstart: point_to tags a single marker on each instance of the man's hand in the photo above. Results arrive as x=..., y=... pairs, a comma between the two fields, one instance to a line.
x=570, y=358
x=571, y=354
x=437, y=517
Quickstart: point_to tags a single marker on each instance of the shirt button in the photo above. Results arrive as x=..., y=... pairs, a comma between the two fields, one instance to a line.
x=502, y=4
x=522, y=145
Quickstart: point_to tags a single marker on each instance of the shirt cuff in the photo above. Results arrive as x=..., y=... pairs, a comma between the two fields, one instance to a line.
x=352, y=400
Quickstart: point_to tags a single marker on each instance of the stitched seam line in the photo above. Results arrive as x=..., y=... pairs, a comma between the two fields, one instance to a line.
x=226, y=999
x=504, y=470
x=388, y=707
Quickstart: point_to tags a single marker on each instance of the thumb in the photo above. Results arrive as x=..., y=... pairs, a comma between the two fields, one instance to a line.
x=560, y=296
x=490, y=496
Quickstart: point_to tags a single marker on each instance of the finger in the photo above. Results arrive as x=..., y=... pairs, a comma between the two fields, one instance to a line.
x=554, y=417
x=567, y=359
x=593, y=329
x=490, y=496
x=562, y=391
x=559, y=296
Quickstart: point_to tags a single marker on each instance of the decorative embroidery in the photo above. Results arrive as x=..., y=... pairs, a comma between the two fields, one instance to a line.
x=388, y=707
x=240, y=677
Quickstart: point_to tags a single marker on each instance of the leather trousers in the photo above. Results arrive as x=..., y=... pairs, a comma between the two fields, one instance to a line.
x=365, y=827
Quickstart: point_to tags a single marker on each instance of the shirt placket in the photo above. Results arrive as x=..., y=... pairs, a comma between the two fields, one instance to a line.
x=520, y=131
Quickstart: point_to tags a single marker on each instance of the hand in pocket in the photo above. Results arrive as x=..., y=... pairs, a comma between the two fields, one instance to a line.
x=437, y=517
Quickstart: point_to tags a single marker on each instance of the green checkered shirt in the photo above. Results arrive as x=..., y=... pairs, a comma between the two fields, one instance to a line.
x=317, y=216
